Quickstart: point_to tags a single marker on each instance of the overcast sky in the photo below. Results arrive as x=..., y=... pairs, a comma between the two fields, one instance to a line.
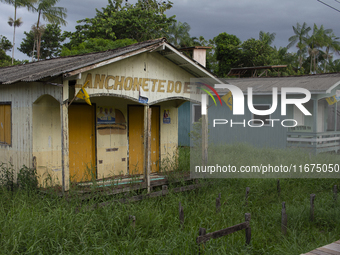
x=243, y=18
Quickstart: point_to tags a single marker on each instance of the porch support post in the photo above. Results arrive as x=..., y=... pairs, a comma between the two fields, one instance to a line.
x=147, y=145
x=65, y=138
x=315, y=124
x=315, y=115
x=204, y=112
x=335, y=115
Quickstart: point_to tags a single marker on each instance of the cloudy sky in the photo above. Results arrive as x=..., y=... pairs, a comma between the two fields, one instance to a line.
x=243, y=18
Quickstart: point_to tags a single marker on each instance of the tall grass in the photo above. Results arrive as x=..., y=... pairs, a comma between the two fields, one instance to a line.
x=34, y=224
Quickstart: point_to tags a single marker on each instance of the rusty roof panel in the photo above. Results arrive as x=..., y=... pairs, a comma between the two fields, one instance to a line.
x=52, y=67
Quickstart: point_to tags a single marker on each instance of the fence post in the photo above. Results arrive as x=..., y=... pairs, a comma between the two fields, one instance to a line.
x=248, y=229
x=335, y=192
x=312, y=198
x=133, y=221
x=181, y=215
x=201, y=232
x=218, y=203
x=278, y=187
x=164, y=190
x=247, y=193
x=283, y=219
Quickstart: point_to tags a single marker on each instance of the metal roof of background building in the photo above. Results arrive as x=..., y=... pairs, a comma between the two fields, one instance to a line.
x=315, y=83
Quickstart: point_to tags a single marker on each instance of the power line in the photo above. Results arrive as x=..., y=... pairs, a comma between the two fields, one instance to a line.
x=329, y=5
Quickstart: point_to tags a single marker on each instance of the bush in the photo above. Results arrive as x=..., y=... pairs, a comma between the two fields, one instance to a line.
x=7, y=176
x=27, y=178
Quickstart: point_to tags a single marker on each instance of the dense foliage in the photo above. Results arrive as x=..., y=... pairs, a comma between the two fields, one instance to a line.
x=50, y=46
x=121, y=23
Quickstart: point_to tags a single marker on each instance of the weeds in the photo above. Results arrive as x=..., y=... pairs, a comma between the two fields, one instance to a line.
x=30, y=224
x=26, y=178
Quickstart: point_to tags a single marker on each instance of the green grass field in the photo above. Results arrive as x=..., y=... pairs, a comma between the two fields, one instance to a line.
x=31, y=223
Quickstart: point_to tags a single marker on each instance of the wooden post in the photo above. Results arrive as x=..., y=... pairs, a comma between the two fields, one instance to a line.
x=248, y=229
x=181, y=215
x=164, y=190
x=201, y=232
x=149, y=149
x=315, y=115
x=278, y=187
x=335, y=116
x=145, y=168
x=312, y=198
x=133, y=221
x=205, y=139
x=283, y=219
x=204, y=112
x=335, y=192
x=247, y=193
x=147, y=118
x=218, y=203
x=65, y=169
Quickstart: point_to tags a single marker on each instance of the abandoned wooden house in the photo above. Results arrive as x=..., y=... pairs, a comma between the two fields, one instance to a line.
x=78, y=141
x=318, y=132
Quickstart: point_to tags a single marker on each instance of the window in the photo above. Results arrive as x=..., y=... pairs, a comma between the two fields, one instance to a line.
x=264, y=118
x=5, y=123
x=196, y=113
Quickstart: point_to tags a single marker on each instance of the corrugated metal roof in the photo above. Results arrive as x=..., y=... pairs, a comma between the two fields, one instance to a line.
x=52, y=67
x=317, y=83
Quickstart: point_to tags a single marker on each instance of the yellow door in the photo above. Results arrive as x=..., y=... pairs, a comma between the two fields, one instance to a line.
x=82, y=142
x=136, y=139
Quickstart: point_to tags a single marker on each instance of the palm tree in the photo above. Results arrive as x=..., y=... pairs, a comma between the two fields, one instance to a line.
x=315, y=42
x=332, y=44
x=300, y=37
x=178, y=34
x=268, y=38
x=17, y=22
x=47, y=10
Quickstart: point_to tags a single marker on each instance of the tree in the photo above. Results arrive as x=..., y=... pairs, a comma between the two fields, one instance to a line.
x=47, y=10
x=300, y=37
x=5, y=44
x=332, y=45
x=267, y=38
x=227, y=52
x=256, y=53
x=95, y=45
x=17, y=22
x=143, y=21
x=5, y=60
x=315, y=42
x=51, y=41
x=178, y=34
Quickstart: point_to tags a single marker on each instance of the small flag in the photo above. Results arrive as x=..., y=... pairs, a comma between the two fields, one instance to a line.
x=82, y=94
x=228, y=99
x=331, y=100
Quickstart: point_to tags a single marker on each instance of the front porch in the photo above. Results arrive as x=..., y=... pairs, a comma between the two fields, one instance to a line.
x=315, y=142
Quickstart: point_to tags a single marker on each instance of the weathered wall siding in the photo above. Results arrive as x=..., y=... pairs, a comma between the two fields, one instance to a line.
x=22, y=95
x=47, y=139
x=309, y=119
x=169, y=132
x=265, y=136
x=150, y=68
x=112, y=145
